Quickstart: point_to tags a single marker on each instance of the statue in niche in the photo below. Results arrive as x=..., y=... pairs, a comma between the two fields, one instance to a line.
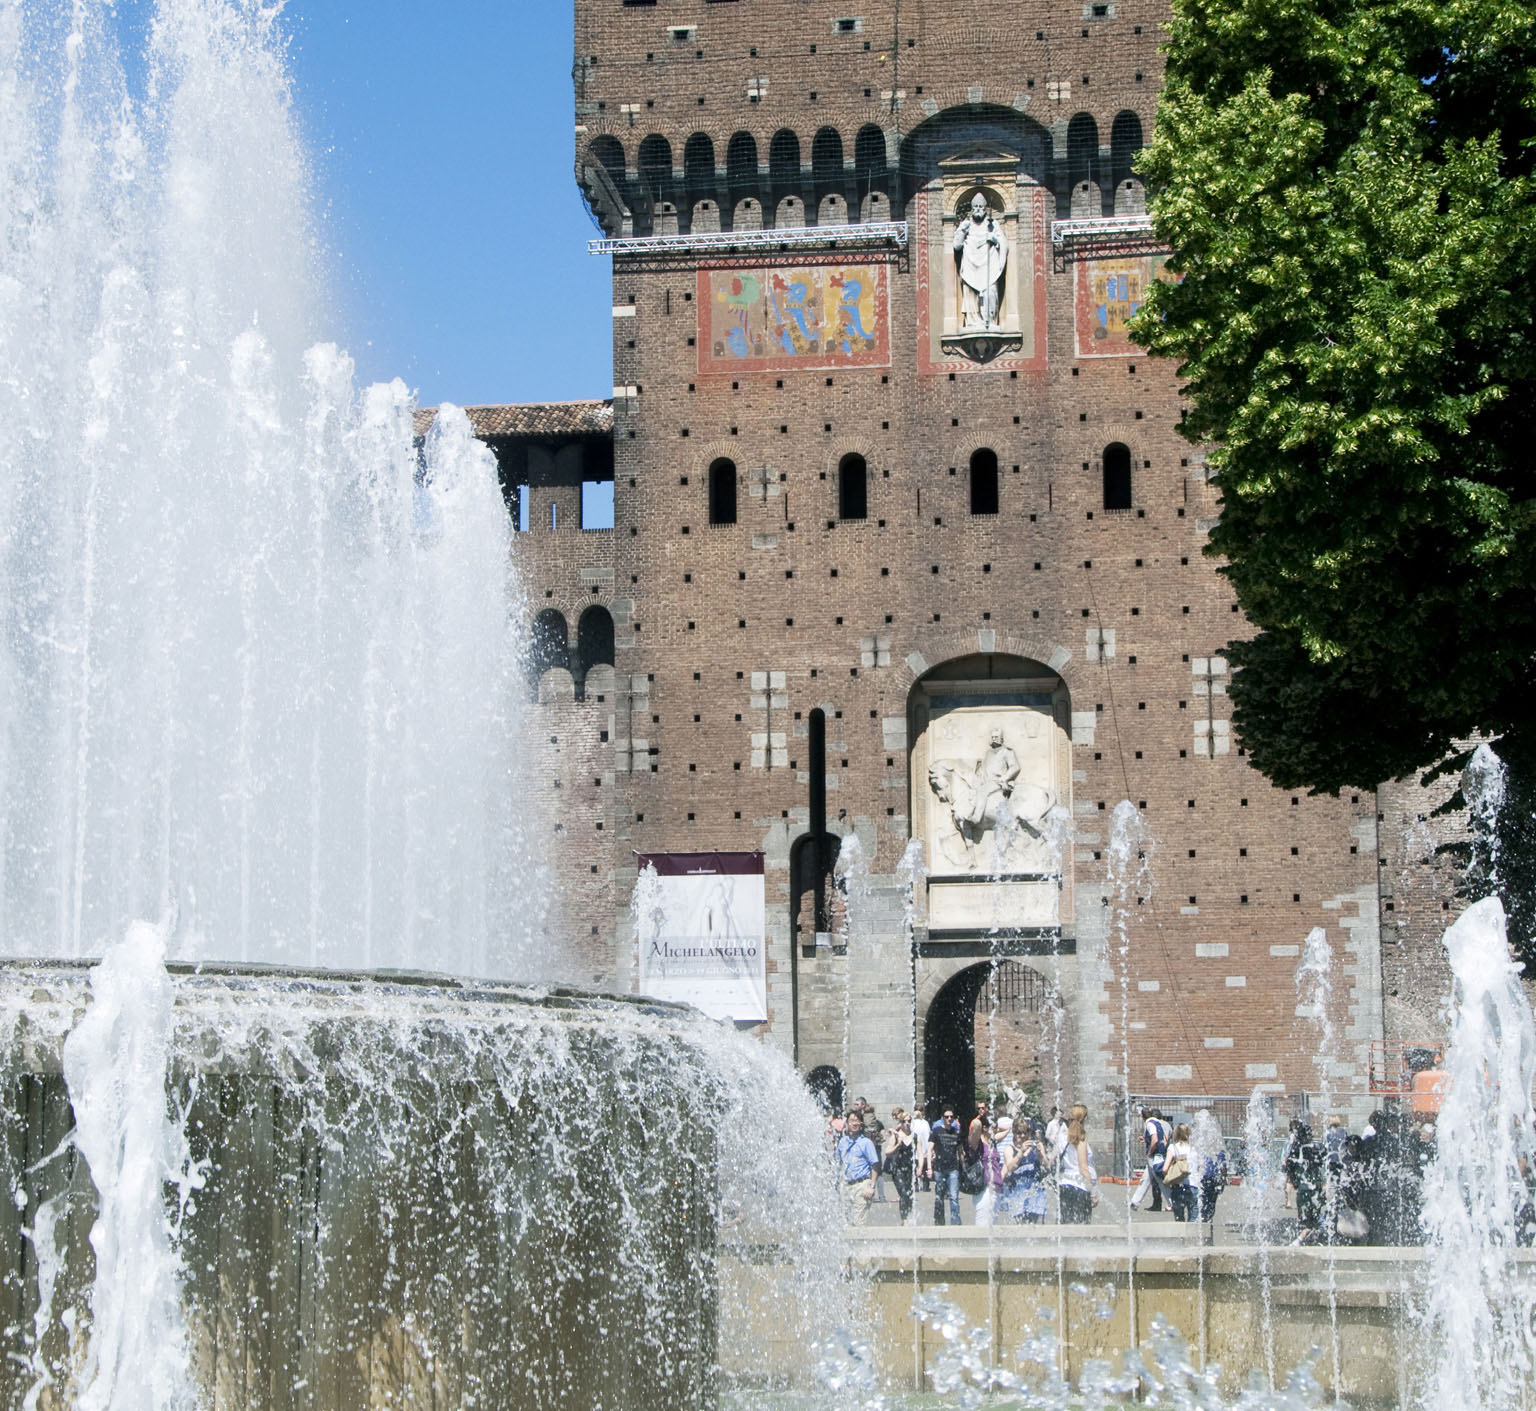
x=984, y=797
x=981, y=250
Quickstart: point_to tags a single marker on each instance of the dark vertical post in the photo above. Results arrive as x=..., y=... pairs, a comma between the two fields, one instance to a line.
x=818, y=751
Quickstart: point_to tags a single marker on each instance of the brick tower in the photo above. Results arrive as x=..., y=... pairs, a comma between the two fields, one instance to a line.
x=906, y=548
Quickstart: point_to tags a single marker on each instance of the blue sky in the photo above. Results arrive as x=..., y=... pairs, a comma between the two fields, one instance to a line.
x=442, y=141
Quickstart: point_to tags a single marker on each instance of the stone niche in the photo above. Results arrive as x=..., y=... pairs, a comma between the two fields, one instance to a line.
x=991, y=783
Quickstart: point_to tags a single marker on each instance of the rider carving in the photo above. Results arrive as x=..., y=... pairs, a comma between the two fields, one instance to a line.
x=995, y=774
x=984, y=796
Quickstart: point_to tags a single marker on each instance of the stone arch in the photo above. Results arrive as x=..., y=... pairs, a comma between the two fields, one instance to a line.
x=706, y=216
x=832, y=209
x=1130, y=198
x=789, y=213
x=1026, y=1035
x=956, y=124
x=936, y=648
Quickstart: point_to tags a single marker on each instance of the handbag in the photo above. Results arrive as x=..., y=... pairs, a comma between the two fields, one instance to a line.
x=973, y=1174
x=1176, y=1172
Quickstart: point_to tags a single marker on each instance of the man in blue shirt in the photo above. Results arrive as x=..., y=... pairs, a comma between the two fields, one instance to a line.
x=857, y=1163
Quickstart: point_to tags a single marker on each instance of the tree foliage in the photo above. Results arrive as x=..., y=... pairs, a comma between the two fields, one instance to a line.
x=1347, y=186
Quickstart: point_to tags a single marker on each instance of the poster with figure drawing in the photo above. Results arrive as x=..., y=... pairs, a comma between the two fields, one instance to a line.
x=777, y=318
x=703, y=941
x=1108, y=294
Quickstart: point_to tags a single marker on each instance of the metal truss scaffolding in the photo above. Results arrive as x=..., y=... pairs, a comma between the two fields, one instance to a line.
x=891, y=234
x=1101, y=238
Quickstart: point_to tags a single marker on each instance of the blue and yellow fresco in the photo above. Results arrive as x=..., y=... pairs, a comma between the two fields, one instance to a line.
x=776, y=318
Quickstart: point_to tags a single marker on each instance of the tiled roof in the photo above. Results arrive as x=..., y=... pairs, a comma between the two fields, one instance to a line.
x=533, y=419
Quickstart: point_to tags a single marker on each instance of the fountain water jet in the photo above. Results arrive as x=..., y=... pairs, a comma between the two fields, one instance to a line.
x=257, y=659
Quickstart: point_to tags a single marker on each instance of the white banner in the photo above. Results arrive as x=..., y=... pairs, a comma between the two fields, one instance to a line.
x=701, y=922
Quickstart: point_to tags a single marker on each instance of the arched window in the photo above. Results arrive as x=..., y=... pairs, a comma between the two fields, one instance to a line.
x=827, y=155
x=655, y=163
x=852, y=487
x=1124, y=144
x=984, y=492
x=699, y=161
x=1117, y=476
x=722, y=492
x=784, y=158
x=548, y=644
x=594, y=644
x=826, y=1085
x=869, y=153
x=741, y=162
x=608, y=152
x=1082, y=153
x=870, y=174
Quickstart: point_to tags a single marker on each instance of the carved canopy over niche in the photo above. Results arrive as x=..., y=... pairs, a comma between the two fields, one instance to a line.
x=954, y=332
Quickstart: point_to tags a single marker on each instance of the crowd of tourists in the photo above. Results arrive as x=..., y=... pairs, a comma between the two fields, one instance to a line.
x=1360, y=1188
x=1008, y=1165
x=1347, y=1187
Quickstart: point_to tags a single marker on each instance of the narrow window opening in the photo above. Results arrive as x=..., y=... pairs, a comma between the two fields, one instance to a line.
x=722, y=492
x=1117, y=477
x=852, y=488
x=984, y=482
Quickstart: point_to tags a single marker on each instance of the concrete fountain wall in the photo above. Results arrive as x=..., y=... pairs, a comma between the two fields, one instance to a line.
x=410, y=1191
x=1349, y=1314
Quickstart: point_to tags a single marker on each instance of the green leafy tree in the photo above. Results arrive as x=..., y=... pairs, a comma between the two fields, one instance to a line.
x=1347, y=187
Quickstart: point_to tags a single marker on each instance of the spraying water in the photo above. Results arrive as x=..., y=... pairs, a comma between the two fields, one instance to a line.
x=254, y=641
x=1259, y=1179
x=1314, y=987
x=115, y=1063
x=1480, y=1322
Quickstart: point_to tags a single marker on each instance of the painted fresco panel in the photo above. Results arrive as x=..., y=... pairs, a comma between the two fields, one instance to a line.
x=778, y=318
x=1108, y=293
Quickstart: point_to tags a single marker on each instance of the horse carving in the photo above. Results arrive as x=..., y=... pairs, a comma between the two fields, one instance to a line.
x=979, y=803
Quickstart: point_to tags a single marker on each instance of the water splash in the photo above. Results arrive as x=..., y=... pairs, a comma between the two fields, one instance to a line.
x=851, y=872
x=1314, y=986
x=115, y=1062
x=1259, y=1180
x=1480, y=1323
x=255, y=656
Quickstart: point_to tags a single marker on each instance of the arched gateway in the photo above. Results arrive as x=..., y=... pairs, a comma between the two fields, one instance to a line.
x=990, y=783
